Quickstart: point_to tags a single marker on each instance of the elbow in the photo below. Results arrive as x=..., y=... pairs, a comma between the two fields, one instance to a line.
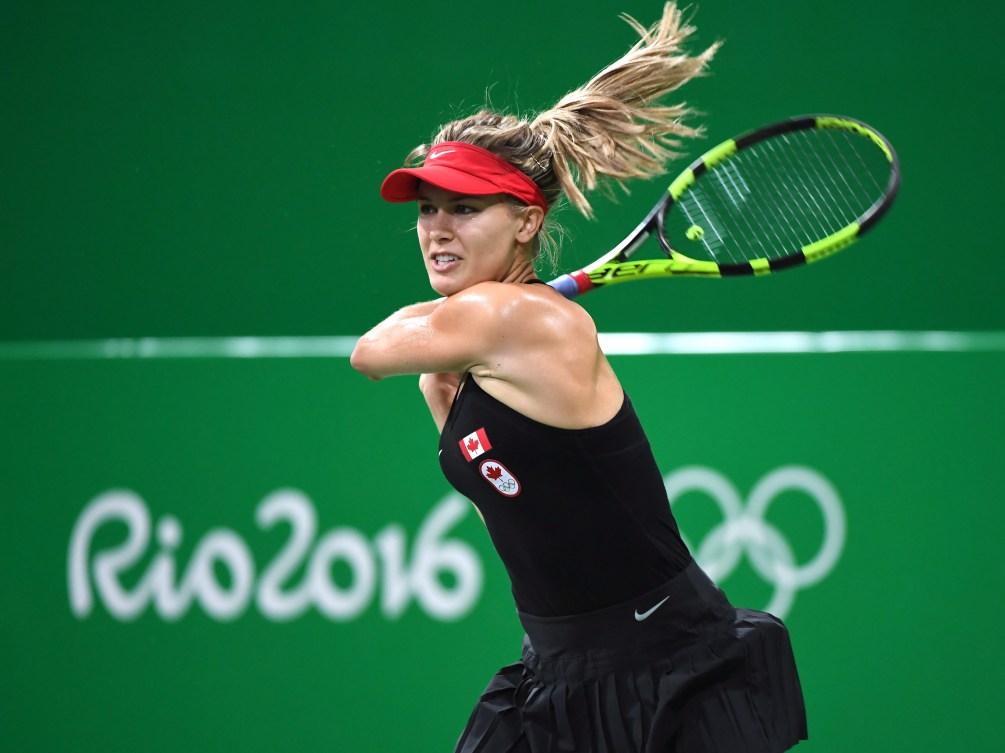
x=360, y=359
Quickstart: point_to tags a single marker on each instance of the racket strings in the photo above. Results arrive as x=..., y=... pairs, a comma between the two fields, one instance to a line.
x=736, y=193
x=788, y=210
x=808, y=189
x=806, y=181
x=779, y=195
x=837, y=160
x=764, y=222
x=794, y=189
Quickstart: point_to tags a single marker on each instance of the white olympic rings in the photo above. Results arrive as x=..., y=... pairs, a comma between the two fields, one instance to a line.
x=747, y=531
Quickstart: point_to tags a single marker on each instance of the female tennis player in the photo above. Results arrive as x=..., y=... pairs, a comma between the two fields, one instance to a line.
x=629, y=646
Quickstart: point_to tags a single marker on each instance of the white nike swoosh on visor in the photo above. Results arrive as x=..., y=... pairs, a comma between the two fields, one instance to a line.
x=644, y=615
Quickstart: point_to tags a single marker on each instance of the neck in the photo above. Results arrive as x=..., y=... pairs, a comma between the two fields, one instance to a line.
x=522, y=271
x=522, y=268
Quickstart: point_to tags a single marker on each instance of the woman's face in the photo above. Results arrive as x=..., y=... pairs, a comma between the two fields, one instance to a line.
x=468, y=239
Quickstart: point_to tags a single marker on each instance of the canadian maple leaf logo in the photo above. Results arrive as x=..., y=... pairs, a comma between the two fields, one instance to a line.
x=474, y=444
x=500, y=477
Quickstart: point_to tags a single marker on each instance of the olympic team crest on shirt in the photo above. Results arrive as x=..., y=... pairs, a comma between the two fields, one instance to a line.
x=474, y=444
x=499, y=476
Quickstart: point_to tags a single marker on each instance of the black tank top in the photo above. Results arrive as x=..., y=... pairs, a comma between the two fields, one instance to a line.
x=579, y=517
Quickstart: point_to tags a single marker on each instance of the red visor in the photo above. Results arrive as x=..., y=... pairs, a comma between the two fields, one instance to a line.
x=465, y=169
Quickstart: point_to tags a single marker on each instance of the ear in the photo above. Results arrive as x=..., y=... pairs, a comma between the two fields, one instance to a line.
x=531, y=220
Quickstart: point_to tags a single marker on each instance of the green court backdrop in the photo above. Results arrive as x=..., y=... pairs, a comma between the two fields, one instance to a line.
x=217, y=536
x=260, y=555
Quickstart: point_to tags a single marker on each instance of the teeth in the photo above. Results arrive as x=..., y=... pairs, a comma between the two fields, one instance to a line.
x=444, y=258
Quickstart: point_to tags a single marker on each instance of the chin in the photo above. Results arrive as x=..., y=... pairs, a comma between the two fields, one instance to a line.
x=442, y=286
x=448, y=284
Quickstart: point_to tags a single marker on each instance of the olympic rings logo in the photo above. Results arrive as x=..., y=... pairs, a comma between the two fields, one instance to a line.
x=744, y=529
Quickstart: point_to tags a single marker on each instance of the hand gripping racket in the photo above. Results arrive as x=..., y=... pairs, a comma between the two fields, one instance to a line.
x=787, y=194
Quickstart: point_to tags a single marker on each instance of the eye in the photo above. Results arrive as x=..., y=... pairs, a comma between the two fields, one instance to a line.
x=426, y=209
x=465, y=209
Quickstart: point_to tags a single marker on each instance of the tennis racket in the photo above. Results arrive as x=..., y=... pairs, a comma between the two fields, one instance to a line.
x=790, y=193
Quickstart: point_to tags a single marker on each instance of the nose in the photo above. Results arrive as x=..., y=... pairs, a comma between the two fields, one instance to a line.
x=441, y=226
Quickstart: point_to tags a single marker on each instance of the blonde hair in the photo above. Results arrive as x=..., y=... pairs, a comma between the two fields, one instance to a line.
x=613, y=127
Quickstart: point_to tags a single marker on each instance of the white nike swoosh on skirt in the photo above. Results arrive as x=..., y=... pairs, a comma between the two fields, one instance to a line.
x=644, y=615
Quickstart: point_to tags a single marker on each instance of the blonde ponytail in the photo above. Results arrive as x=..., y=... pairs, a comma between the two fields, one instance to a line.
x=613, y=127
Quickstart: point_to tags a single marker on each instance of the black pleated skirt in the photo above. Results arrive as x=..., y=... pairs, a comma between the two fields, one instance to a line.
x=692, y=675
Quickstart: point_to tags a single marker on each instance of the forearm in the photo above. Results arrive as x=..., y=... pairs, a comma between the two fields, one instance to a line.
x=453, y=334
x=384, y=350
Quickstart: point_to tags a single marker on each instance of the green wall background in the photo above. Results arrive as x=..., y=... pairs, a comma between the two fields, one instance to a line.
x=212, y=168
x=200, y=170
x=898, y=641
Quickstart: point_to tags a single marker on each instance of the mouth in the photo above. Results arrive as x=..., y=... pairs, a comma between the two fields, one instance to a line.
x=442, y=262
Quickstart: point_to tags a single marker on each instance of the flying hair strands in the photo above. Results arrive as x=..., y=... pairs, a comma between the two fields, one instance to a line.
x=615, y=126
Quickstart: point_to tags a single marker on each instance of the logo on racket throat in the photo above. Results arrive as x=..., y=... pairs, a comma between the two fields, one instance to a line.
x=474, y=444
x=499, y=476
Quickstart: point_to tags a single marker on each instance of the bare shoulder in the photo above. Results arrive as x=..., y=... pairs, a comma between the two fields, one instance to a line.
x=544, y=360
x=527, y=312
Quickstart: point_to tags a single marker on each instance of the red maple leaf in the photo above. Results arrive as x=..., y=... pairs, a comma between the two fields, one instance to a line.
x=472, y=444
x=493, y=472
